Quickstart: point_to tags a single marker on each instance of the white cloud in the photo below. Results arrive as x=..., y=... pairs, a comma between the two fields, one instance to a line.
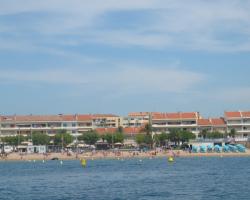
x=125, y=79
x=195, y=25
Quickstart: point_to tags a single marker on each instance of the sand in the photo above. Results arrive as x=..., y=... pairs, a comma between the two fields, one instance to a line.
x=115, y=155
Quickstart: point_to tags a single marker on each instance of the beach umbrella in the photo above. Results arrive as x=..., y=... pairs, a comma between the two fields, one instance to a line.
x=203, y=149
x=217, y=148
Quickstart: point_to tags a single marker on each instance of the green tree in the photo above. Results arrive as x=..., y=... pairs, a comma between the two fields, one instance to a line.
x=185, y=136
x=13, y=140
x=204, y=133
x=112, y=138
x=63, y=138
x=174, y=136
x=215, y=135
x=109, y=137
x=139, y=139
x=90, y=137
x=160, y=139
x=120, y=129
x=40, y=138
x=144, y=139
x=147, y=129
x=119, y=137
x=232, y=133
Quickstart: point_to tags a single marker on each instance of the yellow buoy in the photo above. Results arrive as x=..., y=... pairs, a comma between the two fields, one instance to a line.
x=170, y=159
x=83, y=162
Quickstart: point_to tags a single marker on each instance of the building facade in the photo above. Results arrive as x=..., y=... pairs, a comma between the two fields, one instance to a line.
x=132, y=124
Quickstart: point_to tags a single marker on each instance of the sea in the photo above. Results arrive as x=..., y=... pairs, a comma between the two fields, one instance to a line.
x=207, y=178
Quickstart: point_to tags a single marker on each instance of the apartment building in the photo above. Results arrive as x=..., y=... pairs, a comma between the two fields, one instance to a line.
x=106, y=121
x=163, y=122
x=212, y=125
x=133, y=124
x=136, y=119
x=47, y=124
x=239, y=121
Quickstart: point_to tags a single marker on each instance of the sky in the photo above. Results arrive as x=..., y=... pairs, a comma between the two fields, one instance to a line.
x=112, y=56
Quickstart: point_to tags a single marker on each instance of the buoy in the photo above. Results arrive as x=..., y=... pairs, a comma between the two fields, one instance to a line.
x=140, y=160
x=170, y=159
x=43, y=161
x=61, y=162
x=34, y=160
x=83, y=162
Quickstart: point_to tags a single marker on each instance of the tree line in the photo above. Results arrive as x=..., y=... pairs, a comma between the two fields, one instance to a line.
x=176, y=136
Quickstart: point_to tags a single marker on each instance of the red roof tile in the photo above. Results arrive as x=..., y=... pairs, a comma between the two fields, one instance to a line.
x=103, y=115
x=34, y=118
x=218, y=122
x=105, y=130
x=233, y=114
x=204, y=122
x=178, y=116
x=132, y=130
x=138, y=114
x=68, y=117
x=84, y=117
x=245, y=114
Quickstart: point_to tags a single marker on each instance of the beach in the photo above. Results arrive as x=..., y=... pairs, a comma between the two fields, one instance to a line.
x=117, y=155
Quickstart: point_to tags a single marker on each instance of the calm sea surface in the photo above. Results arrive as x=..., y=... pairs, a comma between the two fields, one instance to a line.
x=187, y=178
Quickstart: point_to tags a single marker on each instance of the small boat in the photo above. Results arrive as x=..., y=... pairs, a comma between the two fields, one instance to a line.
x=54, y=158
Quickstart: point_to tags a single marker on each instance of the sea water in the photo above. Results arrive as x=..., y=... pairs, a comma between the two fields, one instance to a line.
x=186, y=178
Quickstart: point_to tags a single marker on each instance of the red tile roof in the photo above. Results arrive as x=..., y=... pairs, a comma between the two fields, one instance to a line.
x=103, y=115
x=138, y=114
x=233, y=114
x=204, y=122
x=84, y=117
x=40, y=118
x=178, y=116
x=105, y=130
x=68, y=117
x=245, y=114
x=218, y=122
x=132, y=130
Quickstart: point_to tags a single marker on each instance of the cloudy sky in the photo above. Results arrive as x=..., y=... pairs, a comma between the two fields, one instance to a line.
x=112, y=56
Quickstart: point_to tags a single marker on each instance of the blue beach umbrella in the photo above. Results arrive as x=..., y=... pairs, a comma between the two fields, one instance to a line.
x=195, y=149
x=203, y=149
x=217, y=148
x=241, y=148
x=209, y=148
x=225, y=148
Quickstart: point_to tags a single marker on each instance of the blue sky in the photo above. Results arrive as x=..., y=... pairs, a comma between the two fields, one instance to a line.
x=78, y=56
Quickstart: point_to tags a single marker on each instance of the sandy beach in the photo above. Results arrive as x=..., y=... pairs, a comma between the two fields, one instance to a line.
x=115, y=155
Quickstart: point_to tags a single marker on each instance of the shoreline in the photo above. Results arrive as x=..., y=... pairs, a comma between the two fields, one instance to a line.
x=122, y=155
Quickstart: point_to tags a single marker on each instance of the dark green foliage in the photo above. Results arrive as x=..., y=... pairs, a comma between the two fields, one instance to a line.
x=114, y=137
x=90, y=137
x=144, y=139
x=63, y=138
x=160, y=139
x=13, y=140
x=40, y=138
